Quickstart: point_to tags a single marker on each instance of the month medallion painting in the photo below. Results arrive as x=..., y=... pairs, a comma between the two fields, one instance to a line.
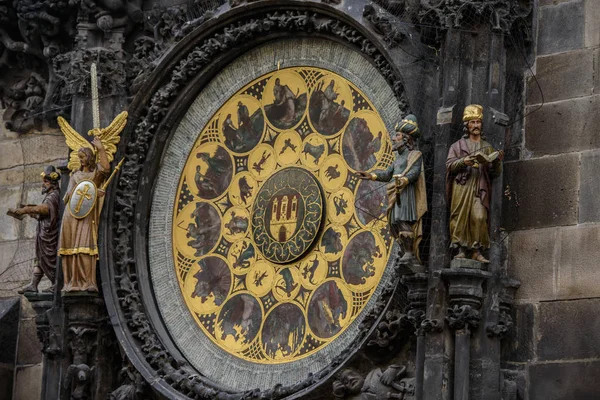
x=278, y=246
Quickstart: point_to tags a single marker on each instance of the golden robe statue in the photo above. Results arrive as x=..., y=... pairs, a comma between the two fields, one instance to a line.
x=78, y=243
x=471, y=164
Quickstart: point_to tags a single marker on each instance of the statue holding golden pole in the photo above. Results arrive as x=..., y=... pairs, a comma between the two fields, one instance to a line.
x=89, y=164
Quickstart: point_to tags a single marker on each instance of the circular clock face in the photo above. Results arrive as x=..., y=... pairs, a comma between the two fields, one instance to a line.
x=277, y=244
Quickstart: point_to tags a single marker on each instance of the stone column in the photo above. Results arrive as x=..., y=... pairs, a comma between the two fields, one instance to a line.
x=42, y=304
x=465, y=294
x=89, y=349
x=417, y=297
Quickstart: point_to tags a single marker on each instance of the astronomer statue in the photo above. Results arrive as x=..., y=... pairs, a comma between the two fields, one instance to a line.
x=471, y=164
x=46, y=238
x=407, y=201
x=90, y=168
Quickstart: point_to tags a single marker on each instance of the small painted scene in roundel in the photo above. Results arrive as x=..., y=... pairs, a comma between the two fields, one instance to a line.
x=284, y=331
x=363, y=140
x=328, y=310
x=239, y=321
x=371, y=202
x=285, y=99
x=330, y=105
x=242, y=124
x=211, y=171
x=213, y=281
x=204, y=232
x=359, y=264
x=278, y=246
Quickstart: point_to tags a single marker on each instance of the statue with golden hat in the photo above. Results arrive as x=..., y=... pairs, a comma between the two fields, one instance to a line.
x=470, y=166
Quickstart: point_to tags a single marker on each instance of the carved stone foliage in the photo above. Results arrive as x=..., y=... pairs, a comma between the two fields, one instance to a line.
x=416, y=317
x=434, y=17
x=30, y=35
x=42, y=67
x=385, y=24
x=505, y=321
x=23, y=100
x=133, y=385
x=72, y=70
x=457, y=14
x=432, y=325
x=501, y=328
x=162, y=29
x=109, y=14
x=463, y=316
x=391, y=326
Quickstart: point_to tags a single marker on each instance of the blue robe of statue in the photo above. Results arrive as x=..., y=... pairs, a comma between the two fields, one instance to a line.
x=405, y=206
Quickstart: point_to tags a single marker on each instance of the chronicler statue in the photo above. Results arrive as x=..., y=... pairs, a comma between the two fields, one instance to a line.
x=471, y=164
x=407, y=201
x=90, y=167
x=46, y=239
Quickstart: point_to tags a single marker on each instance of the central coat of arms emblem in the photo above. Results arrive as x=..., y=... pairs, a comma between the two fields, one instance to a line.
x=287, y=215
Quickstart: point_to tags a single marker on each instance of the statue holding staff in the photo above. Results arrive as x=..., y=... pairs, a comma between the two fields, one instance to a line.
x=90, y=167
x=407, y=201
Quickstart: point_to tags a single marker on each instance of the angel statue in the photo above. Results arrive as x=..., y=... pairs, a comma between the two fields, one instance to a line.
x=90, y=167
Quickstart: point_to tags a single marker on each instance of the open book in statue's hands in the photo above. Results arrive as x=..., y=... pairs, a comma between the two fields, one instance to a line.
x=481, y=158
x=12, y=212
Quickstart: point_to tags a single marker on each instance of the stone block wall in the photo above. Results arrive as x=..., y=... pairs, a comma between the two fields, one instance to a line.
x=22, y=159
x=554, y=249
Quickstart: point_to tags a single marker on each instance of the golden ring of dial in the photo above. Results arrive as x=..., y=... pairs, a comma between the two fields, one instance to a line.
x=277, y=245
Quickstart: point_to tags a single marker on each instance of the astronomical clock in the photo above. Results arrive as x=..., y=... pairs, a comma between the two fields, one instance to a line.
x=277, y=244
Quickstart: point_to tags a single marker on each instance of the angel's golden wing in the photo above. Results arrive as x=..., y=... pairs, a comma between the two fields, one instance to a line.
x=110, y=135
x=75, y=142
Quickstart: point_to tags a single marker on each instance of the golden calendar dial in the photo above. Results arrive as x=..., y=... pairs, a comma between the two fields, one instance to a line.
x=277, y=245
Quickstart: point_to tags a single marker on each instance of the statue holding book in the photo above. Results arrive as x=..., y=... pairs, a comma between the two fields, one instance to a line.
x=46, y=238
x=471, y=164
x=407, y=201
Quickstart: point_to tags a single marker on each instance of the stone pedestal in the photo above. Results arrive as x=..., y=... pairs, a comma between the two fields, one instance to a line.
x=41, y=303
x=466, y=263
